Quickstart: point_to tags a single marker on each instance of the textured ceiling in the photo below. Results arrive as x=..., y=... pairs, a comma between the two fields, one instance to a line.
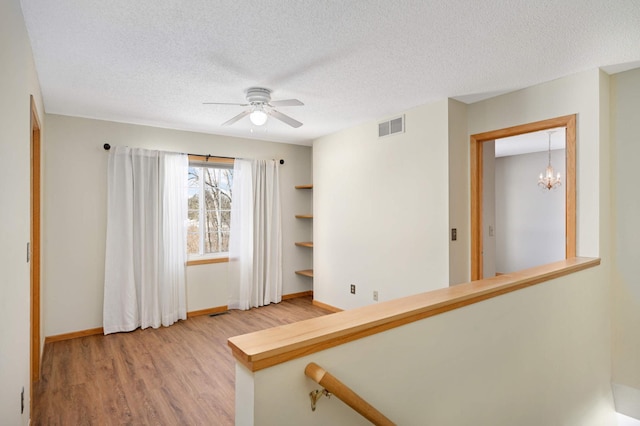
x=155, y=61
x=530, y=142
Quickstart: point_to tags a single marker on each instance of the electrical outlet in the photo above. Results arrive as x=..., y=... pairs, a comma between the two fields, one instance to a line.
x=22, y=401
x=375, y=296
x=353, y=289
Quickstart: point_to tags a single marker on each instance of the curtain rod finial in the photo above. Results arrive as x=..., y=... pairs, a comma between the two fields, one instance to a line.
x=106, y=147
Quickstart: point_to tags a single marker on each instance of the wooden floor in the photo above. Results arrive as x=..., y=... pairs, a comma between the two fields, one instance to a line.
x=178, y=375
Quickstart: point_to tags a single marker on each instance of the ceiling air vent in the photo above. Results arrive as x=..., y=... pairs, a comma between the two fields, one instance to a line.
x=391, y=127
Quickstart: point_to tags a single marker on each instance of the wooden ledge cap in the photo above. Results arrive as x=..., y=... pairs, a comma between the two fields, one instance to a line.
x=263, y=349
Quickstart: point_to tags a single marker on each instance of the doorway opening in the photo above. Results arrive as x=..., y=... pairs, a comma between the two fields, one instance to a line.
x=477, y=180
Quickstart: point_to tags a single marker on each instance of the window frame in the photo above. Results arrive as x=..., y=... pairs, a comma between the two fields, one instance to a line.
x=200, y=161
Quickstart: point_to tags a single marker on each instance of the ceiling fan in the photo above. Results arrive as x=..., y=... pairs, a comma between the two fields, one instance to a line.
x=260, y=107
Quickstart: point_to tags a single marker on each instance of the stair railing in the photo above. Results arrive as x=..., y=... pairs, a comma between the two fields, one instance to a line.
x=333, y=386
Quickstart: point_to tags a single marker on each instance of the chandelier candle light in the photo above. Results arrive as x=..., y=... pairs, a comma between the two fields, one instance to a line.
x=547, y=179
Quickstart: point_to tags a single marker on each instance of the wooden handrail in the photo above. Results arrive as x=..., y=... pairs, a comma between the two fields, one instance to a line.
x=345, y=394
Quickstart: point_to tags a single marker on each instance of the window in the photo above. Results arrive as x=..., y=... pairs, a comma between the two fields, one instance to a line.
x=209, y=207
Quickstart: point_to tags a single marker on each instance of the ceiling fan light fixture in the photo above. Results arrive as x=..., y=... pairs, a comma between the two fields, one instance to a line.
x=258, y=116
x=261, y=107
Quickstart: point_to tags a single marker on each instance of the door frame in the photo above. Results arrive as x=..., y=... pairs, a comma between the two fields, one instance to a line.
x=475, y=157
x=35, y=246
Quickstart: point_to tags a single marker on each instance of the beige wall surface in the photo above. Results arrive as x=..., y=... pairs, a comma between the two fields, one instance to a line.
x=489, y=207
x=380, y=210
x=541, y=355
x=75, y=172
x=578, y=94
x=625, y=132
x=459, y=260
x=18, y=80
x=529, y=221
x=524, y=358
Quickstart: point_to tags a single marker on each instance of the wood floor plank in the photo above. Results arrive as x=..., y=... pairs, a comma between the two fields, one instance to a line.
x=183, y=374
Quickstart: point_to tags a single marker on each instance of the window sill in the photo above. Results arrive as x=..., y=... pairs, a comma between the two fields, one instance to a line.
x=207, y=261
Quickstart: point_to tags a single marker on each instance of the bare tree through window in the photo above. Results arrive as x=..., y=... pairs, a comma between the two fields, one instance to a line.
x=209, y=206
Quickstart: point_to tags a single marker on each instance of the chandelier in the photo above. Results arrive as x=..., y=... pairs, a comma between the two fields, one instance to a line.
x=547, y=179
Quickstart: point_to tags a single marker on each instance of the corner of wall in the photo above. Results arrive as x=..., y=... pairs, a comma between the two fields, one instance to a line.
x=16, y=84
x=627, y=400
x=625, y=203
x=604, y=138
x=369, y=196
x=459, y=250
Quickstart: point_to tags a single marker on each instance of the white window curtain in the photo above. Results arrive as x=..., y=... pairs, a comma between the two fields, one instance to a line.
x=146, y=239
x=255, y=243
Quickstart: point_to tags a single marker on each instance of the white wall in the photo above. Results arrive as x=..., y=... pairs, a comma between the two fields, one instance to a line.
x=488, y=209
x=380, y=210
x=459, y=266
x=579, y=94
x=537, y=356
x=75, y=214
x=587, y=95
x=524, y=358
x=18, y=80
x=625, y=131
x=529, y=221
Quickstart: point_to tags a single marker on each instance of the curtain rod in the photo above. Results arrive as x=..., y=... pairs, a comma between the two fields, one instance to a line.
x=107, y=147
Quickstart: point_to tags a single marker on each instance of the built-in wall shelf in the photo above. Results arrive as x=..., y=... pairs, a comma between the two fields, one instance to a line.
x=308, y=244
x=306, y=273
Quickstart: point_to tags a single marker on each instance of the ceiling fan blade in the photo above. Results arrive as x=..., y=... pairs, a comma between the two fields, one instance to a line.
x=284, y=118
x=223, y=103
x=236, y=118
x=286, y=102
